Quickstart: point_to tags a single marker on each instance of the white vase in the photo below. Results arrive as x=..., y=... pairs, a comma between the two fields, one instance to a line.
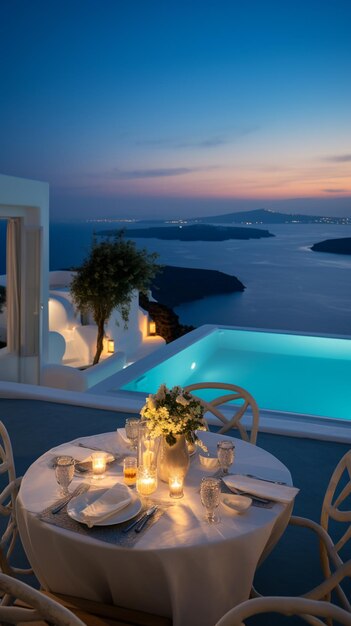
x=173, y=459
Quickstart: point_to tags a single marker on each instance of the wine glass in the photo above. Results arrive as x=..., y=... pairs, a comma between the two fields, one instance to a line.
x=64, y=472
x=225, y=453
x=210, y=493
x=132, y=431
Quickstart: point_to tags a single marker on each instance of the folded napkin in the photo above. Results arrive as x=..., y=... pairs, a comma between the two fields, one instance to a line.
x=123, y=436
x=271, y=491
x=109, y=503
x=110, y=442
x=78, y=453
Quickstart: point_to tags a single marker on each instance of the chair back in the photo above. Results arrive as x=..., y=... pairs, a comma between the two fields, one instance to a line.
x=308, y=610
x=6, y=455
x=244, y=404
x=337, y=508
x=37, y=606
x=9, y=486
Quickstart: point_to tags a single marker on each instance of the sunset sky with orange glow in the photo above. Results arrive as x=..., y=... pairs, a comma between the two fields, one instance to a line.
x=160, y=109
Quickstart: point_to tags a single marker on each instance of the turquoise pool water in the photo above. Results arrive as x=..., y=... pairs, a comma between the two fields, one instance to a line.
x=284, y=372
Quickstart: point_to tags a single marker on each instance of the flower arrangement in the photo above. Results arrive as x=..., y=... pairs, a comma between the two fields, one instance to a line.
x=172, y=412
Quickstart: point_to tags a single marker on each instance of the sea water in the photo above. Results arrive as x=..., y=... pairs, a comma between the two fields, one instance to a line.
x=287, y=285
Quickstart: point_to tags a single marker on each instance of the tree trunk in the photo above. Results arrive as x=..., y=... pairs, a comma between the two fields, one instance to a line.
x=99, y=341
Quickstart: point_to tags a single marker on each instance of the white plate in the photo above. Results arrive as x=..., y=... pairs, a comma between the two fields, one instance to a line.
x=240, y=504
x=76, y=505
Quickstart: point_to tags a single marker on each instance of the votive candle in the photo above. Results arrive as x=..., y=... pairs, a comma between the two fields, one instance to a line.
x=98, y=464
x=148, y=456
x=146, y=482
x=176, y=483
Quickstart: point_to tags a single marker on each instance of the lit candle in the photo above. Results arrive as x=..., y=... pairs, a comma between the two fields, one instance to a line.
x=98, y=464
x=148, y=457
x=148, y=454
x=176, y=486
x=146, y=482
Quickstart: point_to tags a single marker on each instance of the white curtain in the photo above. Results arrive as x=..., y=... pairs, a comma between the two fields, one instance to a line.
x=30, y=315
x=13, y=284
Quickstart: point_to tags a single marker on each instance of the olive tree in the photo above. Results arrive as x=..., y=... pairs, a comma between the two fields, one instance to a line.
x=107, y=278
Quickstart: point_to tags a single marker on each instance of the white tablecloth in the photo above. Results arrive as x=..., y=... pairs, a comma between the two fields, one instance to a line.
x=181, y=566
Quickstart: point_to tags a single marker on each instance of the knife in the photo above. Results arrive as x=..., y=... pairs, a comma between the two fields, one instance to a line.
x=82, y=488
x=139, y=519
x=142, y=523
x=265, y=480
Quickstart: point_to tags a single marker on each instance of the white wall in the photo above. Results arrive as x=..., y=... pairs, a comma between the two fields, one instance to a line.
x=29, y=200
x=81, y=339
x=130, y=338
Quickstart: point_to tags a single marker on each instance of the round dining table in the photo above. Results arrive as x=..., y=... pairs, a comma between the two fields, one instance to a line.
x=179, y=566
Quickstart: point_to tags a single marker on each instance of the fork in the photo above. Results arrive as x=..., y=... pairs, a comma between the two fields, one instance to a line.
x=82, y=488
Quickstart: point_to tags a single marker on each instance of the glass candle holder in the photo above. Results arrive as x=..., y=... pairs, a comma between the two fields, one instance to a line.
x=176, y=482
x=130, y=470
x=146, y=482
x=147, y=446
x=98, y=461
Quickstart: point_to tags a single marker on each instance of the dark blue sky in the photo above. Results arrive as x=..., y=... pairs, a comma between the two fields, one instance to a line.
x=157, y=108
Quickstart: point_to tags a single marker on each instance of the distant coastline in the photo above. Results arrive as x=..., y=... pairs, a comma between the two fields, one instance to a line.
x=195, y=232
x=335, y=246
x=176, y=285
x=267, y=216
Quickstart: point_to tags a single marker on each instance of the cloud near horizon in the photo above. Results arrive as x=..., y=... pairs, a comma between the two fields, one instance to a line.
x=207, y=142
x=335, y=190
x=157, y=172
x=338, y=158
x=210, y=142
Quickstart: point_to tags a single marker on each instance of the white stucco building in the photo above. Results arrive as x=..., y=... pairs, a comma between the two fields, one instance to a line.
x=47, y=341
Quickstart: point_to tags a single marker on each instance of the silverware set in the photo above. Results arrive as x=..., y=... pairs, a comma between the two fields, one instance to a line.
x=266, y=480
x=139, y=523
x=250, y=495
x=82, y=488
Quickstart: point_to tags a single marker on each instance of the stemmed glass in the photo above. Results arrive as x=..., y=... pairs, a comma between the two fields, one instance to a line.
x=210, y=493
x=132, y=431
x=225, y=453
x=64, y=472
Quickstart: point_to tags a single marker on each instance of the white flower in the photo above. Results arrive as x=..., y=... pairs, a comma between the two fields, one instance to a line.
x=172, y=412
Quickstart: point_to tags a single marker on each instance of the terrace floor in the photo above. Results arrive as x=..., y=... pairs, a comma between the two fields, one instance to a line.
x=292, y=568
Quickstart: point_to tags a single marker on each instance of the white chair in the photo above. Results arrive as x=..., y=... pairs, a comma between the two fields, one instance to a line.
x=7, y=505
x=244, y=404
x=309, y=610
x=338, y=490
x=37, y=606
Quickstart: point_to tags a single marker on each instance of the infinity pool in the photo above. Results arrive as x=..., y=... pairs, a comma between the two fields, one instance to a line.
x=285, y=372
